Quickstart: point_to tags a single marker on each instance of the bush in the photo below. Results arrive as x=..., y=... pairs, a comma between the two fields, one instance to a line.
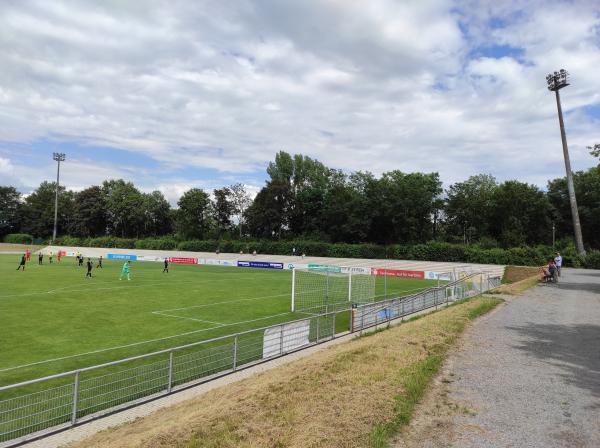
x=164, y=243
x=18, y=238
x=592, y=259
x=482, y=252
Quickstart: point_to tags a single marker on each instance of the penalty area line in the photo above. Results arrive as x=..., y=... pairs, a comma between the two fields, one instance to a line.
x=134, y=344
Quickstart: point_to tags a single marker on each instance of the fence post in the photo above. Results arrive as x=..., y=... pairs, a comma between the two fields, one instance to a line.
x=349, y=286
x=235, y=349
x=170, y=383
x=281, y=341
x=293, y=289
x=75, y=398
x=333, y=329
x=385, y=283
x=318, y=329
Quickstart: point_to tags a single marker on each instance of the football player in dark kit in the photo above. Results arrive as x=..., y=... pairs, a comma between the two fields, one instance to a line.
x=166, y=268
x=22, y=263
x=89, y=268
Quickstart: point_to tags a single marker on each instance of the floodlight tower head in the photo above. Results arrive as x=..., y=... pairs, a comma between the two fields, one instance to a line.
x=58, y=156
x=557, y=80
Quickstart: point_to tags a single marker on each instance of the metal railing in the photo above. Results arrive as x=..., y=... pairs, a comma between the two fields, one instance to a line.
x=33, y=408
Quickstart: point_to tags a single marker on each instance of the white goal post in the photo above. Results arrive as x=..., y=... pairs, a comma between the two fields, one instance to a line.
x=328, y=289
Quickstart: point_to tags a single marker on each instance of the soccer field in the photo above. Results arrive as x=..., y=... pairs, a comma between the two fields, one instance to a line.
x=53, y=319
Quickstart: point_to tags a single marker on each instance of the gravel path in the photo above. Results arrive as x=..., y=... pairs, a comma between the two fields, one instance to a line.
x=527, y=375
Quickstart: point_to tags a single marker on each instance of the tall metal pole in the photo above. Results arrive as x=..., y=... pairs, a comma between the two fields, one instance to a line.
x=557, y=81
x=59, y=157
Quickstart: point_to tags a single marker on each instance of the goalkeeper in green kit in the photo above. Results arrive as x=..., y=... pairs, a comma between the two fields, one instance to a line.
x=125, y=270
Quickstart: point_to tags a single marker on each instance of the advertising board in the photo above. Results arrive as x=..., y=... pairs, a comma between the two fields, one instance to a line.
x=183, y=260
x=121, y=257
x=401, y=273
x=259, y=264
x=324, y=268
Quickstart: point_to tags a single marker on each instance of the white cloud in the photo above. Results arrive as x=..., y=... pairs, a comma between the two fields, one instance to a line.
x=375, y=85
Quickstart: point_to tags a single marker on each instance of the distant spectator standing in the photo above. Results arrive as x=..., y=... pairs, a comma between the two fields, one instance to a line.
x=294, y=251
x=558, y=262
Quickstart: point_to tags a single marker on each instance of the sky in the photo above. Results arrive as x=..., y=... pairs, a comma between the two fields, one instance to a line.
x=203, y=93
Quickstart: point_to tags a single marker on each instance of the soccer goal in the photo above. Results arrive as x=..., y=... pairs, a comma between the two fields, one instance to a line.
x=327, y=290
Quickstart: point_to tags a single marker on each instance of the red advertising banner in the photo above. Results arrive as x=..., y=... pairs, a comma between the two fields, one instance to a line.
x=380, y=272
x=178, y=260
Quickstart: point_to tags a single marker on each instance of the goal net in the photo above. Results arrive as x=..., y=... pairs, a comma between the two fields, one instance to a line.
x=327, y=290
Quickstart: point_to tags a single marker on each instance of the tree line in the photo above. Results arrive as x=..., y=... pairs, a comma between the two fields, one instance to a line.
x=304, y=199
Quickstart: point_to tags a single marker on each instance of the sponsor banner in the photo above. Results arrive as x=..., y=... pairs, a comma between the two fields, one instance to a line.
x=213, y=262
x=183, y=260
x=150, y=258
x=121, y=257
x=324, y=268
x=62, y=253
x=291, y=266
x=356, y=270
x=380, y=272
x=430, y=275
x=259, y=264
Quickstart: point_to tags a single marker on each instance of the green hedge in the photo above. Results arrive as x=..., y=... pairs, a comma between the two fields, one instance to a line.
x=433, y=251
x=592, y=259
x=18, y=238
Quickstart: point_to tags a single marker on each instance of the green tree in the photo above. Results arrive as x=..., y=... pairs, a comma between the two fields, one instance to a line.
x=470, y=205
x=223, y=209
x=587, y=190
x=124, y=206
x=38, y=210
x=89, y=213
x=521, y=215
x=240, y=199
x=268, y=216
x=10, y=208
x=193, y=216
x=157, y=214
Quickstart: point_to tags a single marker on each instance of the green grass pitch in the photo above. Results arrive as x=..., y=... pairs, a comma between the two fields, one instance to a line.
x=53, y=319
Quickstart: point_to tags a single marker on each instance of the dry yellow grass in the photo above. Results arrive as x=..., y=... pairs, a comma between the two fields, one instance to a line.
x=518, y=287
x=334, y=398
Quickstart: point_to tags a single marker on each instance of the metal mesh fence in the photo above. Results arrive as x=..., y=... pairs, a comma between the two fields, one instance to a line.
x=76, y=396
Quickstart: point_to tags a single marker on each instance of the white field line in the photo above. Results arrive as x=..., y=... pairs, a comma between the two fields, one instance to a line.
x=218, y=324
x=65, y=288
x=225, y=302
x=62, y=358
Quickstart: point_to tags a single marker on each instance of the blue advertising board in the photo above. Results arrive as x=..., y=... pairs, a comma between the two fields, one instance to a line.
x=259, y=264
x=121, y=257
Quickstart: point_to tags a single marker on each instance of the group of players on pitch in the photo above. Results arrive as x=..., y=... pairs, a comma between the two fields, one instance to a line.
x=124, y=270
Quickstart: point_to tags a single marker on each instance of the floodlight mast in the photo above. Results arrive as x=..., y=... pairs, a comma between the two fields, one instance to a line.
x=557, y=81
x=58, y=157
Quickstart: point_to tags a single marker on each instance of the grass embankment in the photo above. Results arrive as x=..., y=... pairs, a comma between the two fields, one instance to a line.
x=351, y=395
x=517, y=279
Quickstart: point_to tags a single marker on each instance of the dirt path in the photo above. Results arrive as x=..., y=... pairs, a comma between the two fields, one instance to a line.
x=527, y=375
